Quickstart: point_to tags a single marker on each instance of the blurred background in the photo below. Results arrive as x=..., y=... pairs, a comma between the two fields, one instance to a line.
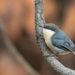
x=19, y=21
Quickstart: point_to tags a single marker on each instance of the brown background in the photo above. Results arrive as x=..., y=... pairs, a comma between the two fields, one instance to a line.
x=19, y=19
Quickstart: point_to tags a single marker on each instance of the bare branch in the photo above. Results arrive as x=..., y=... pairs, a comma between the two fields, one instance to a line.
x=39, y=20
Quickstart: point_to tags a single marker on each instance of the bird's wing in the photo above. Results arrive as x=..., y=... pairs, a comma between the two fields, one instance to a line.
x=64, y=44
x=69, y=48
x=61, y=40
x=57, y=43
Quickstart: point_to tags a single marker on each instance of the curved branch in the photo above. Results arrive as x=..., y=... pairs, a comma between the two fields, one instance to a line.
x=39, y=20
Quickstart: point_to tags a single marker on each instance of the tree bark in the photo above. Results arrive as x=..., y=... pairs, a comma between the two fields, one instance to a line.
x=39, y=20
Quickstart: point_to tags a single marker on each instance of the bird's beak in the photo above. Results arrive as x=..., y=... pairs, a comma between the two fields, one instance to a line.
x=41, y=26
x=69, y=48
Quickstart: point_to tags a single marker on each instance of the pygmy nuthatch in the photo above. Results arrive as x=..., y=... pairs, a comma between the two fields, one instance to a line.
x=57, y=40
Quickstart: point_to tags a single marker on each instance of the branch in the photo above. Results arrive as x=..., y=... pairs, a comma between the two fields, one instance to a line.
x=39, y=20
x=14, y=52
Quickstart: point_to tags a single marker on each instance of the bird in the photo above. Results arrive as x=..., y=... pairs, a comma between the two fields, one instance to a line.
x=57, y=40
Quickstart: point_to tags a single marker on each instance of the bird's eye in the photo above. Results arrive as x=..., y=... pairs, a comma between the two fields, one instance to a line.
x=52, y=29
x=67, y=44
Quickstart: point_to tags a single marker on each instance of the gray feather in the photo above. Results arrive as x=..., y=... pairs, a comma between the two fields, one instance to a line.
x=52, y=27
x=61, y=41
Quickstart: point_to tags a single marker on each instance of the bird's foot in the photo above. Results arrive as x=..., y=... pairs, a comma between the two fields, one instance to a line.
x=52, y=55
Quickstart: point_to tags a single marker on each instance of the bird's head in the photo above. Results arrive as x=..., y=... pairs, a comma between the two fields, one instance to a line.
x=51, y=27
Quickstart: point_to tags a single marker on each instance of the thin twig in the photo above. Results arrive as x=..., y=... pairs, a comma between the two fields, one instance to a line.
x=39, y=20
x=14, y=52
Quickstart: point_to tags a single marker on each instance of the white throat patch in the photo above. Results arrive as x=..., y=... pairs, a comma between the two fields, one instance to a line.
x=47, y=36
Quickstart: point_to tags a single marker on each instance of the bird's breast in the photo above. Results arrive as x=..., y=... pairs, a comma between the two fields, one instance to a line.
x=47, y=36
